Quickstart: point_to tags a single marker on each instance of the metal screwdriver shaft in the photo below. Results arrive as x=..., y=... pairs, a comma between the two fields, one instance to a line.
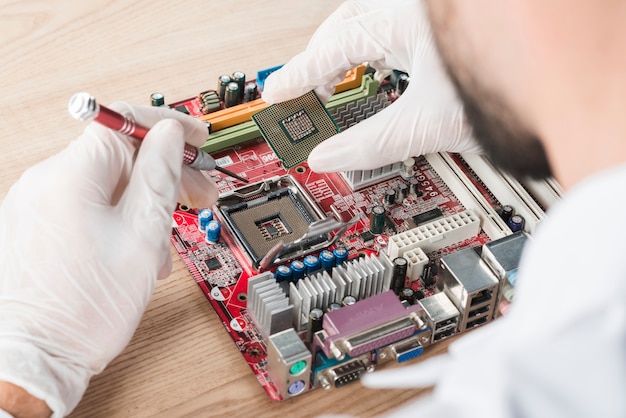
x=83, y=106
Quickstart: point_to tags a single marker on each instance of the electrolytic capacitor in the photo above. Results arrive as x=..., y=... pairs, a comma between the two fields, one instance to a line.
x=314, y=324
x=327, y=260
x=408, y=295
x=283, y=273
x=414, y=187
x=250, y=92
x=506, y=212
x=341, y=255
x=222, y=82
x=348, y=300
x=390, y=197
x=157, y=99
x=297, y=270
x=239, y=77
x=377, y=220
x=401, y=192
x=232, y=95
x=204, y=217
x=403, y=83
x=516, y=223
x=333, y=307
x=407, y=168
x=398, y=278
x=213, y=229
x=311, y=264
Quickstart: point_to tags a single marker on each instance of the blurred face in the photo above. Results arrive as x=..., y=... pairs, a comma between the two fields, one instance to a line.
x=481, y=49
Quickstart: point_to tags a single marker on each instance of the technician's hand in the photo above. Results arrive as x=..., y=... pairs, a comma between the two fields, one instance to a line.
x=394, y=34
x=84, y=236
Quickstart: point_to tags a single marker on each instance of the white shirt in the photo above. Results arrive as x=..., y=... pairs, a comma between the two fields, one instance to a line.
x=561, y=349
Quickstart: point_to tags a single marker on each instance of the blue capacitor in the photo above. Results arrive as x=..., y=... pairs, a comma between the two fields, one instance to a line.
x=341, y=255
x=516, y=223
x=297, y=270
x=327, y=260
x=213, y=229
x=283, y=273
x=311, y=263
x=204, y=217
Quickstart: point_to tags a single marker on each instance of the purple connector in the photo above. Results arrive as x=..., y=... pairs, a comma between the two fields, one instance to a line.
x=369, y=324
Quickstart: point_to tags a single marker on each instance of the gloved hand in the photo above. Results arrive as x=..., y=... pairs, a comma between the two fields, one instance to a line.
x=394, y=34
x=84, y=236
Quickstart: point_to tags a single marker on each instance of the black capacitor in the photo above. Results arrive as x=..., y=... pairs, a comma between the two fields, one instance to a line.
x=157, y=99
x=314, y=324
x=400, y=266
x=250, y=92
x=377, y=220
x=403, y=83
x=390, y=197
x=222, y=82
x=232, y=95
x=506, y=212
x=408, y=295
x=239, y=77
x=414, y=187
x=402, y=192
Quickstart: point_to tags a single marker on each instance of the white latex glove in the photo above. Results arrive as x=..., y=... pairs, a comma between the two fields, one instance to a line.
x=84, y=236
x=395, y=34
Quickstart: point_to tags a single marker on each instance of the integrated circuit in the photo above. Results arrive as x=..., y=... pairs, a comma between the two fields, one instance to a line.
x=293, y=128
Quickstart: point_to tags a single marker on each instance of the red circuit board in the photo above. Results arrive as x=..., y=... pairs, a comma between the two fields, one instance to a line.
x=222, y=270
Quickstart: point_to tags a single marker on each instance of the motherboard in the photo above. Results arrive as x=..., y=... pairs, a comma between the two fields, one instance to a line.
x=321, y=277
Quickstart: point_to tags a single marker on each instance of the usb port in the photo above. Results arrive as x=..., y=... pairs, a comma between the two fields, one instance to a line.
x=478, y=311
x=476, y=322
x=481, y=297
x=444, y=334
x=445, y=323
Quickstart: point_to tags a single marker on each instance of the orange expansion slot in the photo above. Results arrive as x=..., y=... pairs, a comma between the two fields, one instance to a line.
x=235, y=115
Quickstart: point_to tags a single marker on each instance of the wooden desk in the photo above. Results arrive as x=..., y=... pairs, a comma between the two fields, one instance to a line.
x=180, y=361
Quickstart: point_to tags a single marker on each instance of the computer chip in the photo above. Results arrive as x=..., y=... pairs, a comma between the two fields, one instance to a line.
x=293, y=128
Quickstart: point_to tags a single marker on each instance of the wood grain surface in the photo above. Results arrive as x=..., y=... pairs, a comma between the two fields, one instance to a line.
x=180, y=361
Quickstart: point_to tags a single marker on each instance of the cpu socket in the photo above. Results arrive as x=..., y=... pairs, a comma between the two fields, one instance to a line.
x=262, y=215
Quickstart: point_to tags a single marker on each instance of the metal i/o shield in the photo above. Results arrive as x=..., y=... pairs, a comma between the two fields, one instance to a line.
x=293, y=128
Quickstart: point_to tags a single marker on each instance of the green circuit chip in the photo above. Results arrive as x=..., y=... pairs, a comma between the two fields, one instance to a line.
x=293, y=128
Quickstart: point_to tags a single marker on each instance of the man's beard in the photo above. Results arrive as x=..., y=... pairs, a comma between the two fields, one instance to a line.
x=504, y=138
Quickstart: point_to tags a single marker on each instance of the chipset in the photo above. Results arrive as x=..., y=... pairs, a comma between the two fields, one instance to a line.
x=294, y=127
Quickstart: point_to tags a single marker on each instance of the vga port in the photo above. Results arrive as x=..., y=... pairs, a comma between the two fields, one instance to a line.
x=344, y=373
